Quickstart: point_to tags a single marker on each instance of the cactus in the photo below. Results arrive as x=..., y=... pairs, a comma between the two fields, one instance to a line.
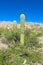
x=22, y=27
x=15, y=26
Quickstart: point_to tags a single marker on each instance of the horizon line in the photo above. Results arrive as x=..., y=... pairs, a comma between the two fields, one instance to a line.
x=25, y=21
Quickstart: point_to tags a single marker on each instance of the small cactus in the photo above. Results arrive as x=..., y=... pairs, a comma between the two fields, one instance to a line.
x=15, y=26
x=22, y=27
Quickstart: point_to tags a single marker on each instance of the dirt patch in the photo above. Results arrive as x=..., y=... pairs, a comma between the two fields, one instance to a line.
x=5, y=46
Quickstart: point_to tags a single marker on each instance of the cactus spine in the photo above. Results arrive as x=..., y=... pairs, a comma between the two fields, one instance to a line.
x=22, y=27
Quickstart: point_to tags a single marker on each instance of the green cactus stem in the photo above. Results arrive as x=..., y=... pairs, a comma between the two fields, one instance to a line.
x=22, y=28
x=15, y=26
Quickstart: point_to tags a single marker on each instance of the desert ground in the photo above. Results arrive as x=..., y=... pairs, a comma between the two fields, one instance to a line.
x=37, y=28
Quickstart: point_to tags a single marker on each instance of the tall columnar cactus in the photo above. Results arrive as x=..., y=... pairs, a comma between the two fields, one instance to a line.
x=15, y=26
x=22, y=27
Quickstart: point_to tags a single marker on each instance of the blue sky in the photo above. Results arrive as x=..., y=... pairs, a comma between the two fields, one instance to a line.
x=11, y=9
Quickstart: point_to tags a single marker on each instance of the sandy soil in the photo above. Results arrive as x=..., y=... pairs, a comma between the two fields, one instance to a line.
x=2, y=45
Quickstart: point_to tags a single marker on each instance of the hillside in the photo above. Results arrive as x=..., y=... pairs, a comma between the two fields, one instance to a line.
x=31, y=52
x=27, y=24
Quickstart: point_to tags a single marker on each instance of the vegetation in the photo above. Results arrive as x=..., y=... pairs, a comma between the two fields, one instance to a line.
x=23, y=45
